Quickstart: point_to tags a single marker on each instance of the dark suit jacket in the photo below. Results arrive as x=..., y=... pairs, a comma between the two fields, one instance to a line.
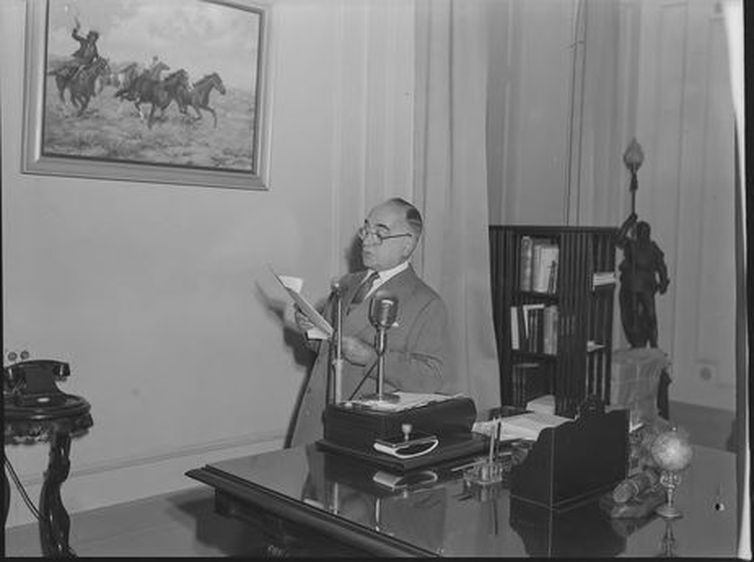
x=414, y=359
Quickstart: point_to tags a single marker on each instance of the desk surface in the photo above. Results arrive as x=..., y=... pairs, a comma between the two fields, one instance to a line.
x=337, y=497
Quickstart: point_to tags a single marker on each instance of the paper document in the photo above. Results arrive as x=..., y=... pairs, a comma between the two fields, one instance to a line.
x=529, y=425
x=406, y=401
x=521, y=426
x=322, y=329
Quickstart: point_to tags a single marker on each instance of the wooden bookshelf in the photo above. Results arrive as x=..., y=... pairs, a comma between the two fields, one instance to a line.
x=579, y=366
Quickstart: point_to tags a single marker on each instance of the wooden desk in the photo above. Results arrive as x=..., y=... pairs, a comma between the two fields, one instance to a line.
x=309, y=502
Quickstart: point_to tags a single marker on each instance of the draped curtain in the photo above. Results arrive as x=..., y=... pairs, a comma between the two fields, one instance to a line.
x=734, y=27
x=450, y=185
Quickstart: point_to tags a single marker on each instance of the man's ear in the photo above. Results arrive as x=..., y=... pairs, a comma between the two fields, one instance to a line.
x=408, y=247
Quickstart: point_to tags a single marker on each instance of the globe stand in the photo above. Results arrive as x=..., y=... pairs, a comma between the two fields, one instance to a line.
x=670, y=481
x=668, y=542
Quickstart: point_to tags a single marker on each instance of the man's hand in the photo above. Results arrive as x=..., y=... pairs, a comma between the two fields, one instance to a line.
x=664, y=286
x=356, y=351
x=303, y=323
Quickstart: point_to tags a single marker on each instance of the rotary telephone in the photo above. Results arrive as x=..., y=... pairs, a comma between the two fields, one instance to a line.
x=32, y=383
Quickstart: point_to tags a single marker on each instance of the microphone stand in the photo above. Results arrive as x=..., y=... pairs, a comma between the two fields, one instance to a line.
x=381, y=324
x=380, y=345
x=337, y=360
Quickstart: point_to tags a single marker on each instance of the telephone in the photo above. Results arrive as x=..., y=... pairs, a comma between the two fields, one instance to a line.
x=32, y=383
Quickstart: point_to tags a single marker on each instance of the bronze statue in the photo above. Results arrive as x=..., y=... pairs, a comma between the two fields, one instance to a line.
x=642, y=273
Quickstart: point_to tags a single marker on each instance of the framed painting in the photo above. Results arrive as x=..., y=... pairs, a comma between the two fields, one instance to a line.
x=163, y=91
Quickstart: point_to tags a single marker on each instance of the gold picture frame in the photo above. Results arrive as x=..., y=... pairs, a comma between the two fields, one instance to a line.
x=213, y=132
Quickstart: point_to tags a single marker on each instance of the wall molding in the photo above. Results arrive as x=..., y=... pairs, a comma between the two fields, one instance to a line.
x=116, y=481
x=88, y=469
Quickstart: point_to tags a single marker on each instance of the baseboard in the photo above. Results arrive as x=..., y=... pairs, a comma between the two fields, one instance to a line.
x=710, y=427
x=132, y=478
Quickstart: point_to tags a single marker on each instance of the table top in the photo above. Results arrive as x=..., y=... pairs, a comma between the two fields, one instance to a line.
x=444, y=515
x=44, y=415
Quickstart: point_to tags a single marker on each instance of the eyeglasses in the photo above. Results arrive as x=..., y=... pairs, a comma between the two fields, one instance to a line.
x=365, y=231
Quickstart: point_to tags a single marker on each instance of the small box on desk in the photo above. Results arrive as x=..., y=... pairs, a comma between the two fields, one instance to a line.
x=352, y=428
x=574, y=462
x=359, y=427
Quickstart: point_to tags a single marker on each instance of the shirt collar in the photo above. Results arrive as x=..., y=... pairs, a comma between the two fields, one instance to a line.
x=390, y=273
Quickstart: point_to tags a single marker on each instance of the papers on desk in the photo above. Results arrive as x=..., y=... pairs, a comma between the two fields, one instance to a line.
x=322, y=329
x=522, y=426
x=406, y=401
x=544, y=404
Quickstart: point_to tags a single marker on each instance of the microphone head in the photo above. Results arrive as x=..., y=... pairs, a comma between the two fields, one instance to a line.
x=383, y=309
x=335, y=285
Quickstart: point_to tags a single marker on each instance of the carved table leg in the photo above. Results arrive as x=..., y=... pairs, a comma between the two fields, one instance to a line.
x=55, y=524
x=6, y=494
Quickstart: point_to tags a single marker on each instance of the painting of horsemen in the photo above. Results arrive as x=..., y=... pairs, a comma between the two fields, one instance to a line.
x=148, y=90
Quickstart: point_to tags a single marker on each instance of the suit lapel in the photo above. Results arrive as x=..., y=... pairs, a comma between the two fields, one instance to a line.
x=356, y=322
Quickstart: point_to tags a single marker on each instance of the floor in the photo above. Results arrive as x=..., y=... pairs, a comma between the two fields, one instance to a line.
x=181, y=524
x=184, y=523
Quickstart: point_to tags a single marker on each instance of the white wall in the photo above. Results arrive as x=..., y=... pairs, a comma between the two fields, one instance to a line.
x=686, y=191
x=157, y=295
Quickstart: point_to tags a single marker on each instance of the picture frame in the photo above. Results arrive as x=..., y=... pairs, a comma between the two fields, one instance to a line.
x=196, y=114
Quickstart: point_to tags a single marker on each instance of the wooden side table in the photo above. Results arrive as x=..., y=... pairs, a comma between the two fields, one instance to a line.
x=44, y=416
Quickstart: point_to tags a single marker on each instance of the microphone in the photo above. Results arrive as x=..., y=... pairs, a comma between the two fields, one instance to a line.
x=383, y=310
x=335, y=286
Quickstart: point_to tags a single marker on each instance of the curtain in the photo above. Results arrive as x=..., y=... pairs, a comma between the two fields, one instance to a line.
x=450, y=185
x=734, y=26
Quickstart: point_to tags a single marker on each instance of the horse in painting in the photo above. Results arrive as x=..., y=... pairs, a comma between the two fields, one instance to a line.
x=198, y=96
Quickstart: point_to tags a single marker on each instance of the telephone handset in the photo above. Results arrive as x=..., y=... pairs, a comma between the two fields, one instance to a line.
x=32, y=383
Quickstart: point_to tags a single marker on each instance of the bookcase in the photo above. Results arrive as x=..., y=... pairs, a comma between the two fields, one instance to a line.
x=552, y=295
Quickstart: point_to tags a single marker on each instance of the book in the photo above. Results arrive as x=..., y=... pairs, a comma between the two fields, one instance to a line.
x=544, y=274
x=515, y=338
x=550, y=330
x=522, y=333
x=592, y=345
x=527, y=248
x=532, y=324
x=528, y=381
x=322, y=329
x=601, y=278
x=535, y=322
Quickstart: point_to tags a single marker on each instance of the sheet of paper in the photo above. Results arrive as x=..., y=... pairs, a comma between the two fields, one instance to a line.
x=406, y=401
x=529, y=425
x=521, y=426
x=293, y=285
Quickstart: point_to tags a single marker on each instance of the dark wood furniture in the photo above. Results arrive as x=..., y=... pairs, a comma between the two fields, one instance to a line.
x=580, y=365
x=309, y=502
x=35, y=410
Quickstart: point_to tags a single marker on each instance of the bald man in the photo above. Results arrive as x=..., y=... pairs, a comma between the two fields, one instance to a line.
x=416, y=347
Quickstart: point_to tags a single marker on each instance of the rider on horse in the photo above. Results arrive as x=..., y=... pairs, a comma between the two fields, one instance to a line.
x=84, y=55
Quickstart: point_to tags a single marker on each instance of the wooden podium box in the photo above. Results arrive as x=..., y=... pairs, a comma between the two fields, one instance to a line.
x=353, y=431
x=574, y=462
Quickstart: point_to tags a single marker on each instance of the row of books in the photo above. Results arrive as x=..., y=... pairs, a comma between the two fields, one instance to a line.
x=601, y=278
x=539, y=265
x=534, y=328
x=529, y=380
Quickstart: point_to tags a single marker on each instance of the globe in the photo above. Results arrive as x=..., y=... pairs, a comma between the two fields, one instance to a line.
x=671, y=450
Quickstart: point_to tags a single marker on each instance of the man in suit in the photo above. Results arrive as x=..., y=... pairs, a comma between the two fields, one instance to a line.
x=416, y=346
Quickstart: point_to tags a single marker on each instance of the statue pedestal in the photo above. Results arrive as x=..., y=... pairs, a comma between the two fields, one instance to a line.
x=635, y=380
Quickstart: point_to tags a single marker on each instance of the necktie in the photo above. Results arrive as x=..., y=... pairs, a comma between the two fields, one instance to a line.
x=364, y=288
